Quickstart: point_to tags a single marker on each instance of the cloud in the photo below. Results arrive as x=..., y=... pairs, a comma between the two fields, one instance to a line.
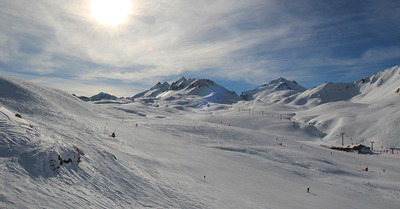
x=185, y=36
x=379, y=54
x=252, y=41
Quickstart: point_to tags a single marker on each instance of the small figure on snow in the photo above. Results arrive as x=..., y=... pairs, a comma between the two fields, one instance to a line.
x=113, y=135
x=308, y=190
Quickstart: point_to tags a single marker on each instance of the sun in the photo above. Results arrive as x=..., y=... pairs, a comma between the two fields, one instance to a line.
x=111, y=12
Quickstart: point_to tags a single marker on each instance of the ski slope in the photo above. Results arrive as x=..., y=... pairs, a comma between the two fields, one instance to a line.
x=172, y=156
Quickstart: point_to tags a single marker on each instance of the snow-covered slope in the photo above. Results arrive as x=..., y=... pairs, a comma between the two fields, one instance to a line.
x=154, y=91
x=365, y=110
x=59, y=154
x=381, y=86
x=200, y=93
x=275, y=91
x=328, y=92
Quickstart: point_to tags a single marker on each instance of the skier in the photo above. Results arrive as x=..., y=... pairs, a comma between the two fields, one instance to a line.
x=113, y=135
x=308, y=190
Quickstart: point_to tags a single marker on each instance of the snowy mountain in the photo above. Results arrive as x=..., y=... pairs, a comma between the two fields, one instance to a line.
x=199, y=93
x=98, y=97
x=365, y=110
x=154, y=91
x=378, y=87
x=275, y=91
x=56, y=150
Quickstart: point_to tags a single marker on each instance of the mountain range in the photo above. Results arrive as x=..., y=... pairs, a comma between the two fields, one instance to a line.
x=337, y=104
x=384, y=83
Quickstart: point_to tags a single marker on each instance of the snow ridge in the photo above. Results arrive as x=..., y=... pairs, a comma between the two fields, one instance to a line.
x=195, y=92
x=381, y=86
x=274, y=91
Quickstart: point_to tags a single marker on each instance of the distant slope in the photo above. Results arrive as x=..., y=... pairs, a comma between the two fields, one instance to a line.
x=98, y=97
x=364, y=111
x=328, y=92
x=381, y=86
x=275, y=91
x=188, y=92
x=153, y=91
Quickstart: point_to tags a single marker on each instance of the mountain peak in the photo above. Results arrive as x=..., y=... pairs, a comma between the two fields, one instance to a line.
x=279, y=80
x=103, y=96
x=160, y=85
x=183, y=88
x=201, y=82
x=181, y=83
x=273, y=90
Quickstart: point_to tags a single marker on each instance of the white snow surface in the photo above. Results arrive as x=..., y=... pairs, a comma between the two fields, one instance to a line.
x=173, y=155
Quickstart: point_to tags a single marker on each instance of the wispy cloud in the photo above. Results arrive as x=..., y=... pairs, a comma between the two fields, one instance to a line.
x=251, y=41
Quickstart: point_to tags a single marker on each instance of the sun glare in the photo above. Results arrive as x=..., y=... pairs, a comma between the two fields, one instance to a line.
x=111, y=12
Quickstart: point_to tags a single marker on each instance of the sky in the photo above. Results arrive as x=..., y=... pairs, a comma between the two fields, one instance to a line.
x=70, y=45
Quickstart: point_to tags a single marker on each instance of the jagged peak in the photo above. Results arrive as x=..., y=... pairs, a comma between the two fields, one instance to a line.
x=201, y=82
x=208, y=89
x=283, y=84
x=279, y=80
x=180, y=80
x=181, y=83
x=160, y=85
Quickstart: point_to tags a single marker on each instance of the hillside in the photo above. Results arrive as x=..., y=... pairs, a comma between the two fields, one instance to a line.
x=365, y=110
x=59, y=153
x=381, y=86
x=275, y=91
x=197, y=93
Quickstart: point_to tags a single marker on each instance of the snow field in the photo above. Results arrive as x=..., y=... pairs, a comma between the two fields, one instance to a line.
x=264, y=158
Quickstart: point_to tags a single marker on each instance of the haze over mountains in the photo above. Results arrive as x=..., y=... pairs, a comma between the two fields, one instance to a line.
x=195, y=144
